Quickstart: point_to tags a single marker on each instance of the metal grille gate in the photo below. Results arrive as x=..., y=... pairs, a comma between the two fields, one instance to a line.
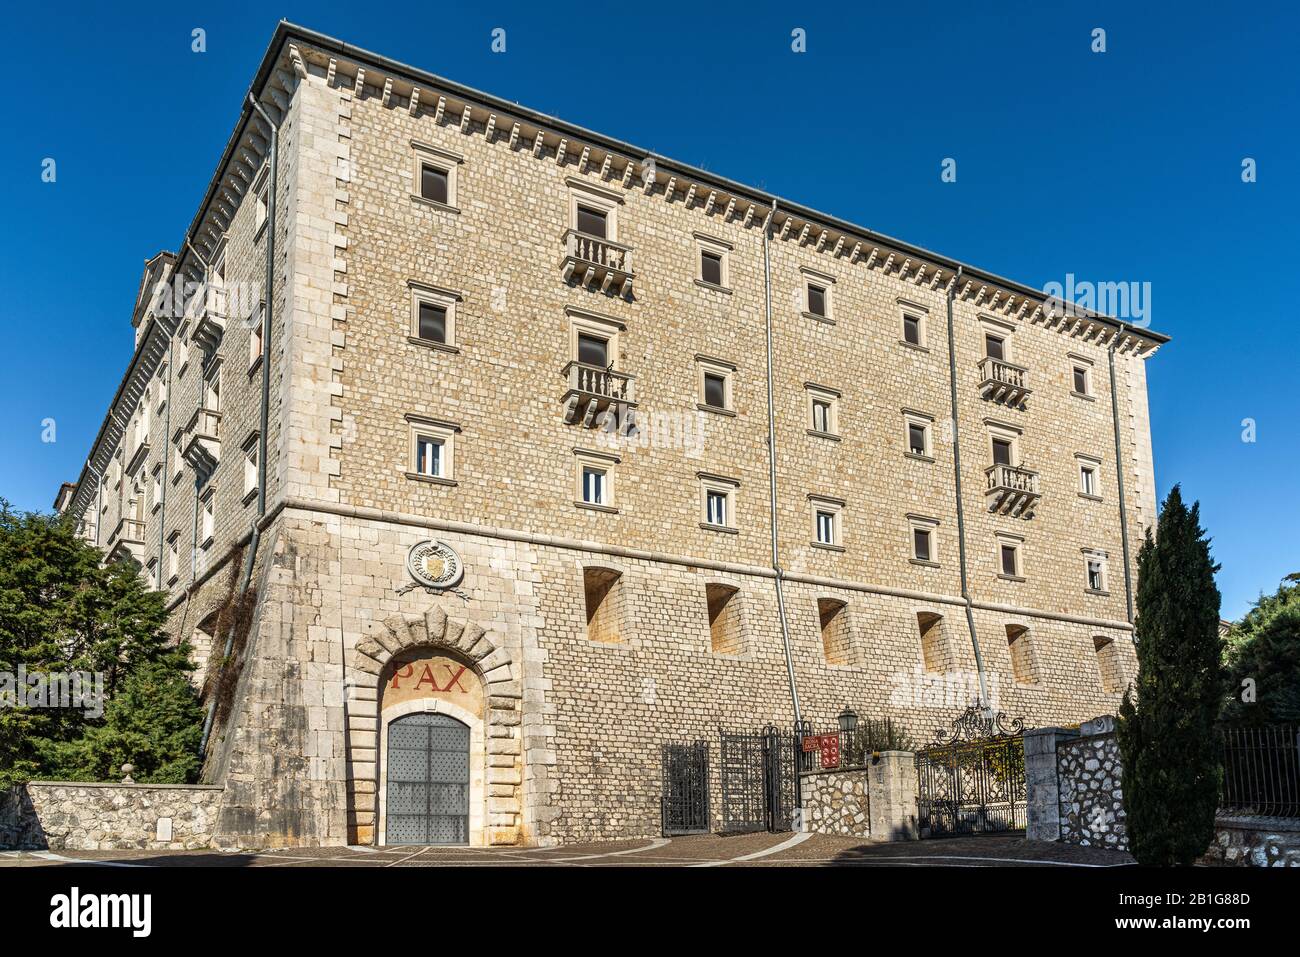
x=428, y=781
x=684, y=806
x=757, y=780
x=972, y=779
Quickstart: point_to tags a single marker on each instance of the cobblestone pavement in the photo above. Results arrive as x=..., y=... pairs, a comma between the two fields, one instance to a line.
x=706, y=850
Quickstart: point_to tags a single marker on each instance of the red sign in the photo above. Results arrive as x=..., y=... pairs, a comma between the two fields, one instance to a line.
x=828, y=745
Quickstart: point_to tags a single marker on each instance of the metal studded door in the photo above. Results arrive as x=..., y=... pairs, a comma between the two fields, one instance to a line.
x=428, y=781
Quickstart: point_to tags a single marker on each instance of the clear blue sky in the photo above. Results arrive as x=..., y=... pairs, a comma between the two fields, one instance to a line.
x=1117, y=166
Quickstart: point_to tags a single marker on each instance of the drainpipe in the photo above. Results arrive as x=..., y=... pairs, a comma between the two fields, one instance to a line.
x=984, y=702
x=1119, y=474
x=256, y=532
x=771, y=471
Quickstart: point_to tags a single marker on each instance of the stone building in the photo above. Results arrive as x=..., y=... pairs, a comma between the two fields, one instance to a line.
x=543, y=451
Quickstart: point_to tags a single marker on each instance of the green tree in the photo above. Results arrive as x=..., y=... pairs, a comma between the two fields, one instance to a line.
x=62, y=609
x=1263, y=661
x=1170, y=750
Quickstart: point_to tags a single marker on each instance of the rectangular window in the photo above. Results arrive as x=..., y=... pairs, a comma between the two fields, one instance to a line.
x=173, y=557
x=711, y=267
x=1002, y=452
x=821, y=415
x=432, y=322
x=155, y=494
x=912, y=330
x=432, y=450
x=916, y=438
x=255, y=334
x=924, y=546
x=1082, y=385
x=428, y=456
x=593, y=221
x=207, y=520
x=250, y=466
x=718, y=497
x=593, y=485
x=715, y=390
x=716, y=508
x=817, y=300
x=1096, y=575
x=825, y=527
x=434, y=174
x=994, y=346
x=828, y=517
x=1088, y=480
x=593, y=350
x=921, y=550
x=435, y=184
x=1010, y=556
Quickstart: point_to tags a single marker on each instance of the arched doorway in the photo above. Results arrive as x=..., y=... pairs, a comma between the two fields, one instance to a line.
x=428, y=793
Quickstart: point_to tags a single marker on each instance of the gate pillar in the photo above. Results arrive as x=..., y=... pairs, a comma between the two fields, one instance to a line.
x=891, y=796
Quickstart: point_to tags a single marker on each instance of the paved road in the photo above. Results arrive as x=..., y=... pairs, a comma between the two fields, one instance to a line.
x=707, y=850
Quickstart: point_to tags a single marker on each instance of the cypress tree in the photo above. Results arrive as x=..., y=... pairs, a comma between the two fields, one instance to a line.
x=1170, y=749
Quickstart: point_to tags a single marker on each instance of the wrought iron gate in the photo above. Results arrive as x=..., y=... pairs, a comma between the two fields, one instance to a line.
x=757, y=780
x=972, y=779
x=684, y=806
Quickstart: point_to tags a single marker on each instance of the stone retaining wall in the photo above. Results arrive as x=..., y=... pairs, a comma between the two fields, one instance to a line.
x=1074, y=780
x=58, y=815
x=878, y=801
x=836, y=802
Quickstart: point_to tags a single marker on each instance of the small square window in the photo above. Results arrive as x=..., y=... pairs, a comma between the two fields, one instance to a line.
x=711, y=267
x=912, y=330
x=435, y=184
x=715, y=382
x=433, y=315
x=823, y=410
x=817, y=300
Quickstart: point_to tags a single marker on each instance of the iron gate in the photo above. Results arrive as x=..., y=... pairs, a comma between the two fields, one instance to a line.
x=758, y=780
x=684, y=806
x=972, y=779
x=428, y=780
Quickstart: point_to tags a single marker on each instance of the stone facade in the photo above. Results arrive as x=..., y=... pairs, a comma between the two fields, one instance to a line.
x=836, y=802
x=56, y=815
x=597, y=632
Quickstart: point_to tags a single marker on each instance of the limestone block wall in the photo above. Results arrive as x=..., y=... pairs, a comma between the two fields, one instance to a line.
x=60, y=815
